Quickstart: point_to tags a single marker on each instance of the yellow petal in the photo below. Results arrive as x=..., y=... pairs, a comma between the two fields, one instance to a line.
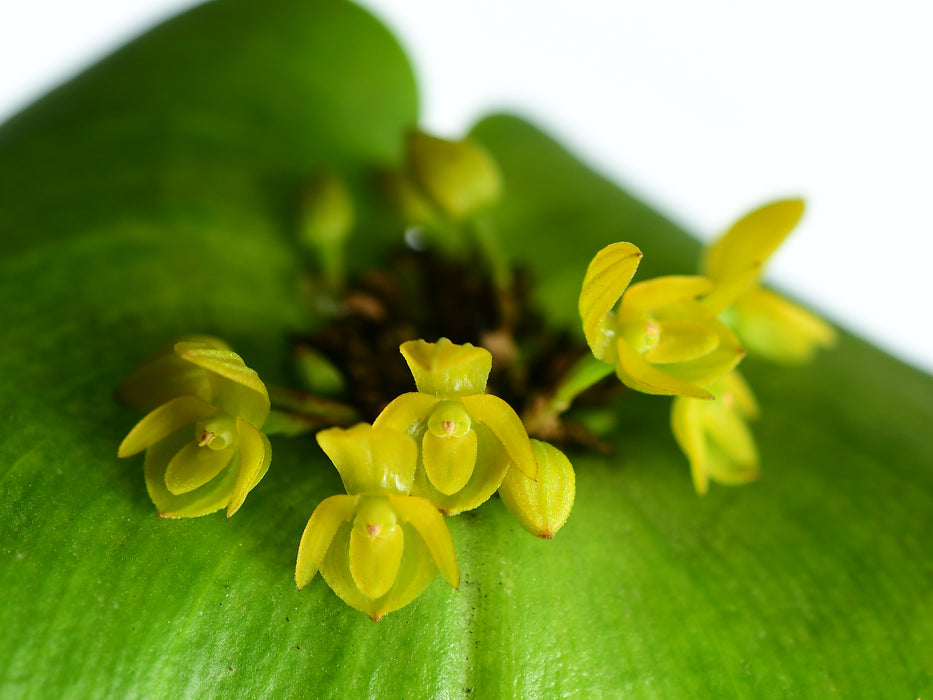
x=752, y=239
x=425, y=518
x=417, y=570
x=318, y=534
x=637, y=373
x=706, y=369
x=779, y=330
x=542, y=506
x=681, y=340
x=688, y=432
x=407, y=413
x=371, y=459
x=607, y=277
x=235, y=388
x=209, y=498
x=193, y=466
x=505, y=424
x=255, y=456
x=449, y=461
x=492, y=463
x=662, y=291
x=163, y=421
x=375, y=561
x=447, y=370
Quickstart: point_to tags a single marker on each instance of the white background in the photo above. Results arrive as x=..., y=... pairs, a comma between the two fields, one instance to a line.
x=706, y=109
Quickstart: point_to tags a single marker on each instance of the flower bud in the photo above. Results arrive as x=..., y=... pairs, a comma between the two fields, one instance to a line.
x=459, y=177
x=326, y=223
x=542, y=506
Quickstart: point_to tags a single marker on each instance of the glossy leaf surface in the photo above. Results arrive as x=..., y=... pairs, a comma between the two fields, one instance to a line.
x=149, y=199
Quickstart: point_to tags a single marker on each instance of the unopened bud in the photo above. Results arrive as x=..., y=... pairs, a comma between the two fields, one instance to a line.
x=459, y=177
x=542, y=506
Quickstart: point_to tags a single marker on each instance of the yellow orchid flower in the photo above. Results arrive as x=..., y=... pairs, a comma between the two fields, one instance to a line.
x=204, y=449
x=467, y=438
x=766, y=323
x=715, y=436
x=377, y=547
x=661, y=339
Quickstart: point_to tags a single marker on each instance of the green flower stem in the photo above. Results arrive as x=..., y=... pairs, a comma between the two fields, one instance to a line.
x=483, y=231
x=322, y=412
x=585, y=372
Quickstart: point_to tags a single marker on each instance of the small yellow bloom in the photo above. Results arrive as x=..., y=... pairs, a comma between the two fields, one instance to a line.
x=767, y=324
x=204, y=449
x=377, y=547
x=661, y=339
x=715, y=436
x=467, y=438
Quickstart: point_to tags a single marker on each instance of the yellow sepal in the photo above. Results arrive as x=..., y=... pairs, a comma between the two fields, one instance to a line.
x=607, y=277
x=164, y=376
x=235, y=388
x=425, y=518
x=508, y=428
x=780, y=330
x=447, y=370
x=371, y=459
x=319, y=533
x=255, y=456
x=752, y=239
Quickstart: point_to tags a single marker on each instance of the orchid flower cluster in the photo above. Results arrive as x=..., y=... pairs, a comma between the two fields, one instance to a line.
x=683, y=336
x=449, y=446
x=441, y=450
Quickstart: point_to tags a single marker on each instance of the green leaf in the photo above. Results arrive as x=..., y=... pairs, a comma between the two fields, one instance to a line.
x=150, y=198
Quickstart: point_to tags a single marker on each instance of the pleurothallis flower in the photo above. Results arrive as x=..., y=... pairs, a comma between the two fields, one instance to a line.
x=714, y=434
x=376, y=546
x=204, y=449
x=468, y=439
x=657, y=333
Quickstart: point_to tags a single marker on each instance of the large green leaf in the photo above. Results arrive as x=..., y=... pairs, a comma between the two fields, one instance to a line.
x=151, y=197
